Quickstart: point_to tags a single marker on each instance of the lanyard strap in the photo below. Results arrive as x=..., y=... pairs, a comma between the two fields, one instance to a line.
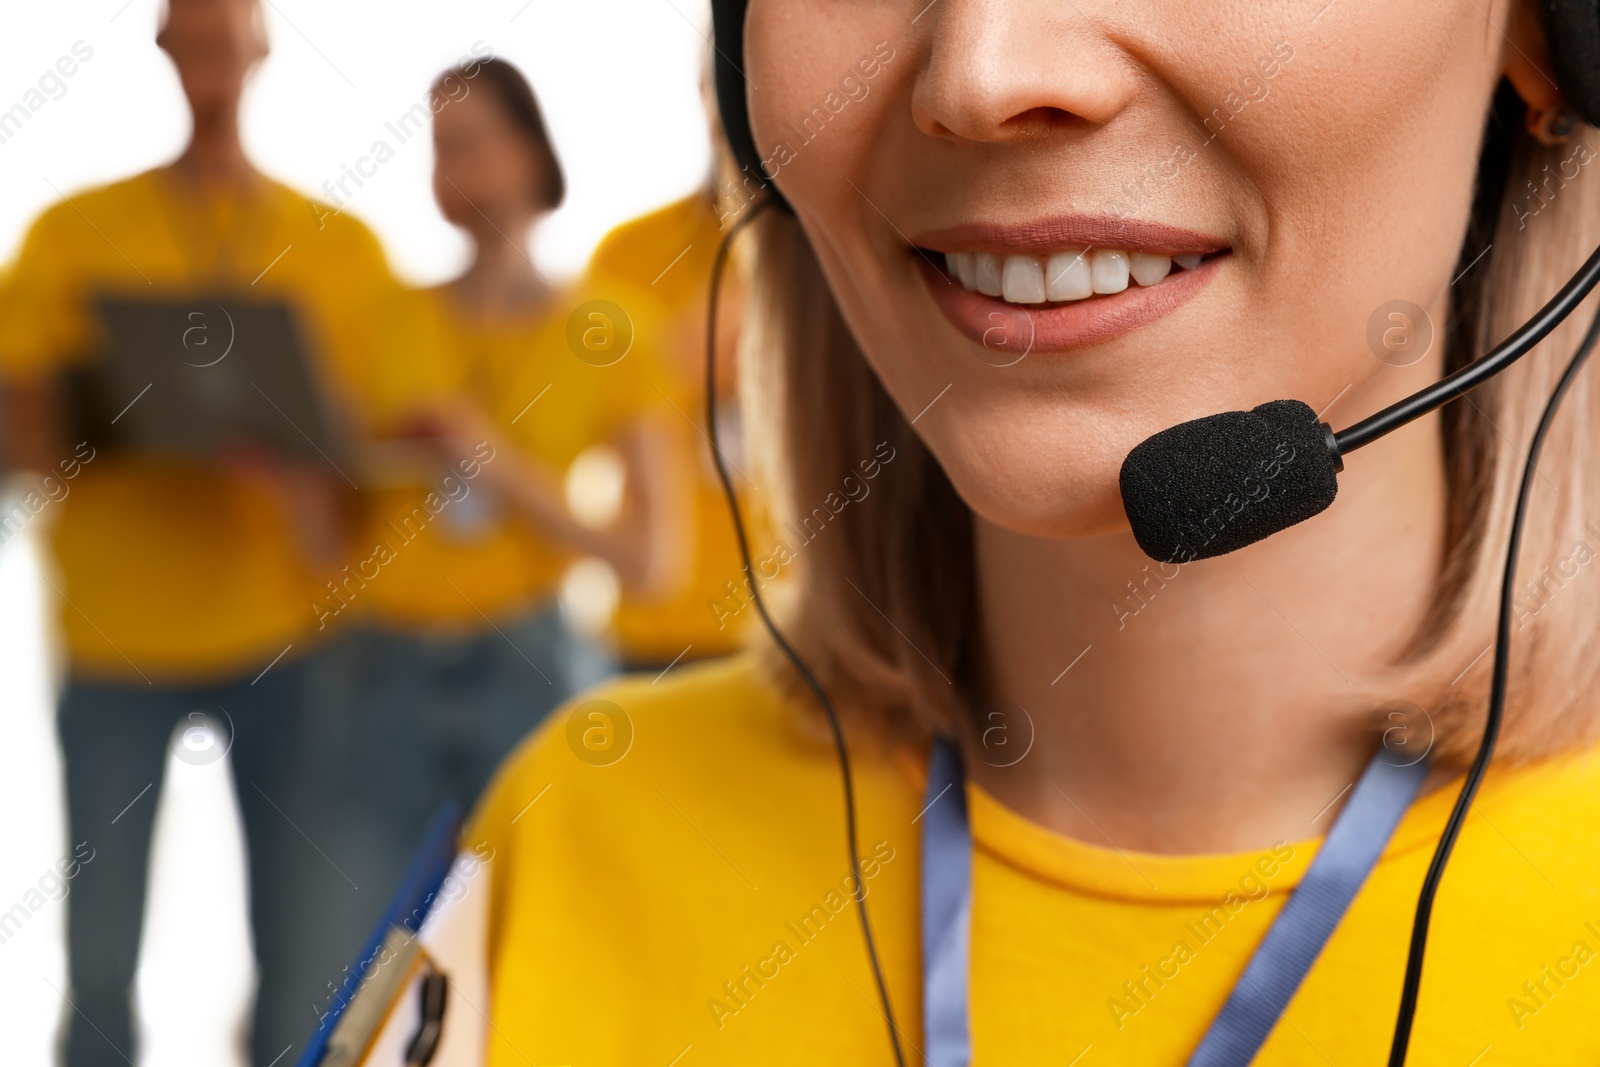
x=1269, y=982
x=946, y=911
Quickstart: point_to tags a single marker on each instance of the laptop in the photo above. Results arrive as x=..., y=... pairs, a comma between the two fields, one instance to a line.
x=189, y=377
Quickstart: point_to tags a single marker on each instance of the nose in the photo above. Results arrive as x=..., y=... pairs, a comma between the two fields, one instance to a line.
x=1013, y=70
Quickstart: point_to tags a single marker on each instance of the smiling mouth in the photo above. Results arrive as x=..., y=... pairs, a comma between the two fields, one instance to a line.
x=1061, y=282
x=1046, y=280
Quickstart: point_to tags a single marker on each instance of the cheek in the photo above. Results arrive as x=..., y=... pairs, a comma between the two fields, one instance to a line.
x=843, y=182
x=808, y=129
x=448, y=190
x=1364, y=155
x=818, y=145
x=481, y=171
x=518, y=172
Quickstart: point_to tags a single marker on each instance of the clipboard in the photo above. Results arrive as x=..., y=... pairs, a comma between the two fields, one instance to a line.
x=408, y=999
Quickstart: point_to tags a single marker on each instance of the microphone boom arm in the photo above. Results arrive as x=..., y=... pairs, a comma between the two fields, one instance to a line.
x=1479, y=370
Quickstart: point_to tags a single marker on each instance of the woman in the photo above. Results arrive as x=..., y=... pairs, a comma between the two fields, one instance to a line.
x=1153, y=753
x=462, y=554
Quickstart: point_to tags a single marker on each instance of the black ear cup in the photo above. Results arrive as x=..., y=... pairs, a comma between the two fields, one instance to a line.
x=1572, y=30
x=727, y=35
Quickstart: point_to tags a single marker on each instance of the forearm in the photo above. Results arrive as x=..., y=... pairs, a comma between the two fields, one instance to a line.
x=657, y=519
x=534, y=490
x=644, y=541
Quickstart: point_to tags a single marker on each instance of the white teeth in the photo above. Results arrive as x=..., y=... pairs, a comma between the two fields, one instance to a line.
x=1022, y=280
x=1067, y=276
x=1070, y=274
x=1147, y=270
x=1109, y=270
x=988, y=271
x=962, y=266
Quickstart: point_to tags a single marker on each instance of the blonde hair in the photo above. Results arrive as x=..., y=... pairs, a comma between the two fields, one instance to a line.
x=882, y=606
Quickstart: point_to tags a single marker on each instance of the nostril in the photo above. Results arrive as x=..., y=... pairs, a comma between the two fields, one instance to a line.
x=1041, y=120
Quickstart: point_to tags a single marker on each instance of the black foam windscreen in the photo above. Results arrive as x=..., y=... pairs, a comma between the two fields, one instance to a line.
x=1572, y=34
x=1213, y=485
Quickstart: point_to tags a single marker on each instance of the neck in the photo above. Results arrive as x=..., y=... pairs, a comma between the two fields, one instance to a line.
x=502, y=277
x=215, y=155
x=1217, y=706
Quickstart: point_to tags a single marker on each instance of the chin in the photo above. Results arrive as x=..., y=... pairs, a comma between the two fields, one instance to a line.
x=1025, y=491
x=455, y=213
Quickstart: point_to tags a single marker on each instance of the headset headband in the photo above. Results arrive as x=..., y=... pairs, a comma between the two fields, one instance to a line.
x=733, y=107
x=1572, y=33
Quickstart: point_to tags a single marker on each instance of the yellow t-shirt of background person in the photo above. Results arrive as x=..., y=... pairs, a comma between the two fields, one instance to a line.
x=556, y=382
x=682, y=884
x=168, y=570
x=669, y=254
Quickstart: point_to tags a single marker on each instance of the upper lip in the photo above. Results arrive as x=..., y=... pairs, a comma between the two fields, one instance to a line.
x=1050, y=233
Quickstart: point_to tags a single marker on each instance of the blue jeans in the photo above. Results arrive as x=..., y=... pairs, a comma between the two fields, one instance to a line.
x=427, y=718
x=115, y=740
x=339, y=758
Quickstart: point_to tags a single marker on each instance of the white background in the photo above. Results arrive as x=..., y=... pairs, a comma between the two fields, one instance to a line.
x=618, y=80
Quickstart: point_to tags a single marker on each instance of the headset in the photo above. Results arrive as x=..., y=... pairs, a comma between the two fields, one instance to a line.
x=1175, y=480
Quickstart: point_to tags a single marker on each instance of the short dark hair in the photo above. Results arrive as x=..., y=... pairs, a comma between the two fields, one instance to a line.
x=510, y=86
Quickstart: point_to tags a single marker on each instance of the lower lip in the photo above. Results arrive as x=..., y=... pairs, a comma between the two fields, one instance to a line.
x=1004, y=327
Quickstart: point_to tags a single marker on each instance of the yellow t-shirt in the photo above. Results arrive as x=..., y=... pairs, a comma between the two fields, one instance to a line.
x=472, y=556
x=669, y=254
x=691, y=899
x=168, y=570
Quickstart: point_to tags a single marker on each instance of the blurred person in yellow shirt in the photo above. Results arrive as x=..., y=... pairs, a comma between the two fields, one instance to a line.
x=183, y=584
x=463, y=649
x=669, y=254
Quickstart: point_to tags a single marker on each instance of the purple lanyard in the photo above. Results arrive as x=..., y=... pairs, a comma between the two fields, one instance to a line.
x=1280, y=963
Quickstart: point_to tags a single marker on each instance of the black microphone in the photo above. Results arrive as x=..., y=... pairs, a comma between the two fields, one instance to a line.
x=1219, y=483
